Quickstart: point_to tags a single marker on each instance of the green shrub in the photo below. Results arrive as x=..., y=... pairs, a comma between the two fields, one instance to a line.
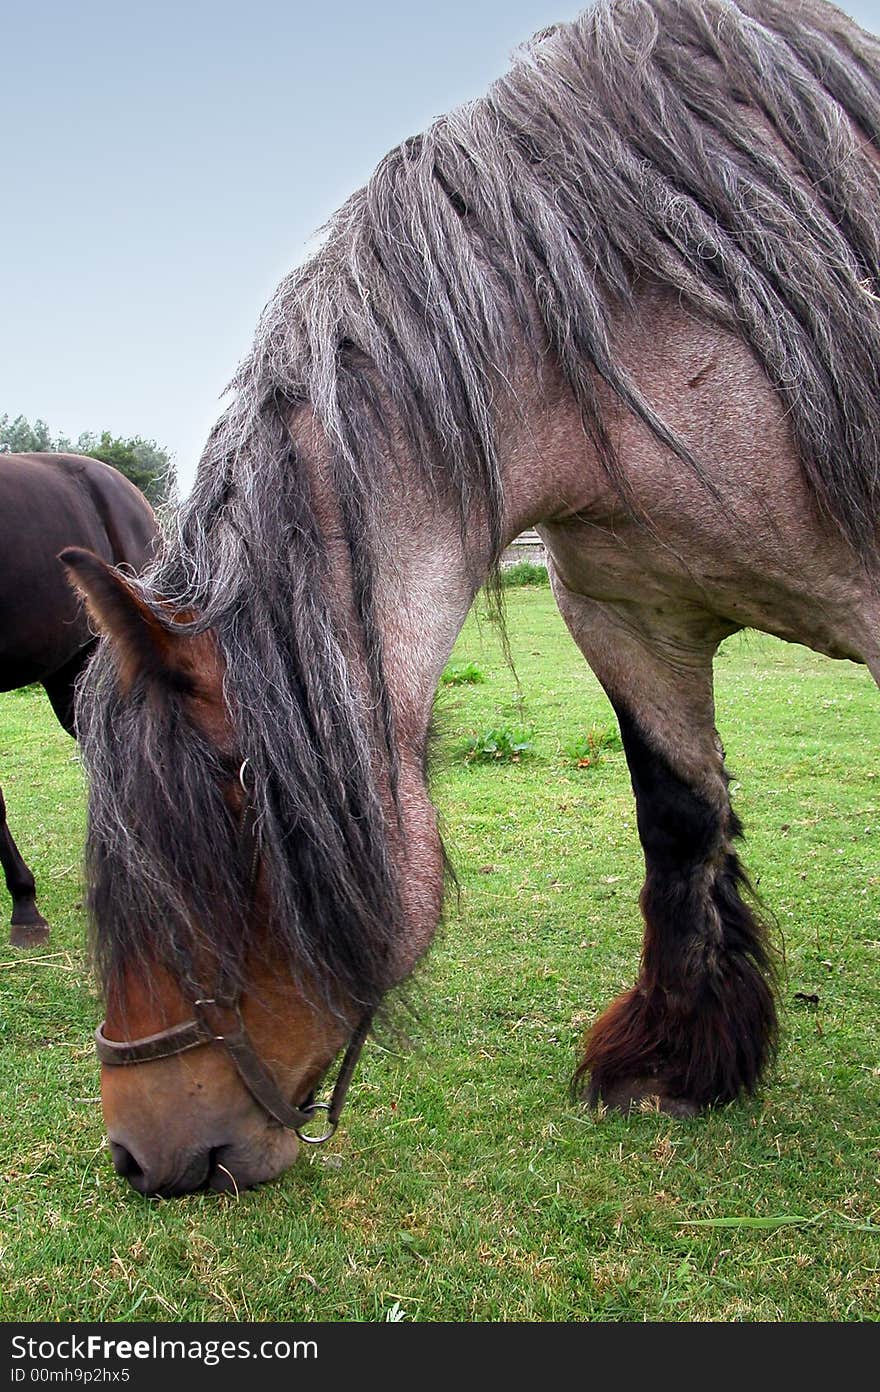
x=524, y=573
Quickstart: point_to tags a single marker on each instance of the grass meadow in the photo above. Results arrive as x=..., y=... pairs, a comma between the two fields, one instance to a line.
x=463, y=1184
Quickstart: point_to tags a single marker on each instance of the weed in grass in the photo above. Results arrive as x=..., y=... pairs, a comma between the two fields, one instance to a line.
x=524, y=573
x=590, y=749
x=462, y=674
x=500, y=743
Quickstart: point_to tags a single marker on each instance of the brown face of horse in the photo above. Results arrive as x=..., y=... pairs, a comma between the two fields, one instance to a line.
x=181, y=1123
x=186, y=1122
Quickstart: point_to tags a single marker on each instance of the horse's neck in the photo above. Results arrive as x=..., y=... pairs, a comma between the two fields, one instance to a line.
x=429, y=558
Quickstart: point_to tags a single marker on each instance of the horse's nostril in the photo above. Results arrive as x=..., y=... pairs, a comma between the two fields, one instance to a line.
x=124, y=1162
x=178, y=1175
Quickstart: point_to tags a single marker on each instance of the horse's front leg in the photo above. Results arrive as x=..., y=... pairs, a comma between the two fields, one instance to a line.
x=700, y=1024
x=29, y=927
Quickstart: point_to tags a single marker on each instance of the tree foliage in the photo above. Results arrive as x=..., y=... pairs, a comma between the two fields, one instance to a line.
x=147, y=464
x=20, y=437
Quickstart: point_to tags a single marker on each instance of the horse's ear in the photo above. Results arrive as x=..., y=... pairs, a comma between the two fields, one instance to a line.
x=142, y=645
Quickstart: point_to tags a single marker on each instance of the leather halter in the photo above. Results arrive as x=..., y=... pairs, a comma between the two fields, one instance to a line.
x=220, y=1022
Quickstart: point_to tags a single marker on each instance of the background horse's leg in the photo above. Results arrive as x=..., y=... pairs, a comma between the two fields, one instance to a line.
x=61, y=687
x=700, y=1024
x=29, y=928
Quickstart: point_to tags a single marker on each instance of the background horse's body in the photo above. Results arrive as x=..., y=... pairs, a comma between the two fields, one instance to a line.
x=631, y=298
x=47, y=502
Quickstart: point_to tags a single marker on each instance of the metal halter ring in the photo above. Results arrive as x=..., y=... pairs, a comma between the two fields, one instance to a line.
x=311, y=1108
x=244, y=764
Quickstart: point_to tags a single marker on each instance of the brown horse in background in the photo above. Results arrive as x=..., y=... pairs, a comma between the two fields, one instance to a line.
x=47, y=502
x=630, y=297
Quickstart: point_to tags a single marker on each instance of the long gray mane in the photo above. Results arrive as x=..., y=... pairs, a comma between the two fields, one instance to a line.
x=719, y=148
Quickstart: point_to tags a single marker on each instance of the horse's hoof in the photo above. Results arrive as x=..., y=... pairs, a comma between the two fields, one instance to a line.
x=628, y=1095
x=32, y=934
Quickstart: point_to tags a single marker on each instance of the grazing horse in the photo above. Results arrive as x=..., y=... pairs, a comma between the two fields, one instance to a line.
x=47, y=502
x=629, y=297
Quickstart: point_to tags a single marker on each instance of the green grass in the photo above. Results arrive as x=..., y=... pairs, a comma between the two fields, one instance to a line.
x=464, y=1185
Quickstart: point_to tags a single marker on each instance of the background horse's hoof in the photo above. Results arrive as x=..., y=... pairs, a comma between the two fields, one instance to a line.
x=641, y=1095
x=33, y=933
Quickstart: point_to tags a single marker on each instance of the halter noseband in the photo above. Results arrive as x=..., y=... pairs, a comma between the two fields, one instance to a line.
x=220, y=1022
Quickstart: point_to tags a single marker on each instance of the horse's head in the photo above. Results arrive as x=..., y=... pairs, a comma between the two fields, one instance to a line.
x=219, y=1021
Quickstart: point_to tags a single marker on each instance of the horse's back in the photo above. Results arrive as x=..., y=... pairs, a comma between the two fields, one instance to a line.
x=48, y=502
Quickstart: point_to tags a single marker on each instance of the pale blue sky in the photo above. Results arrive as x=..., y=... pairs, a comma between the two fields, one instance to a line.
x=164, y=164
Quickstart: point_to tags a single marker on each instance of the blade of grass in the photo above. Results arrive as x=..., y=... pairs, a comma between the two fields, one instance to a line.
x=782, y=1220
